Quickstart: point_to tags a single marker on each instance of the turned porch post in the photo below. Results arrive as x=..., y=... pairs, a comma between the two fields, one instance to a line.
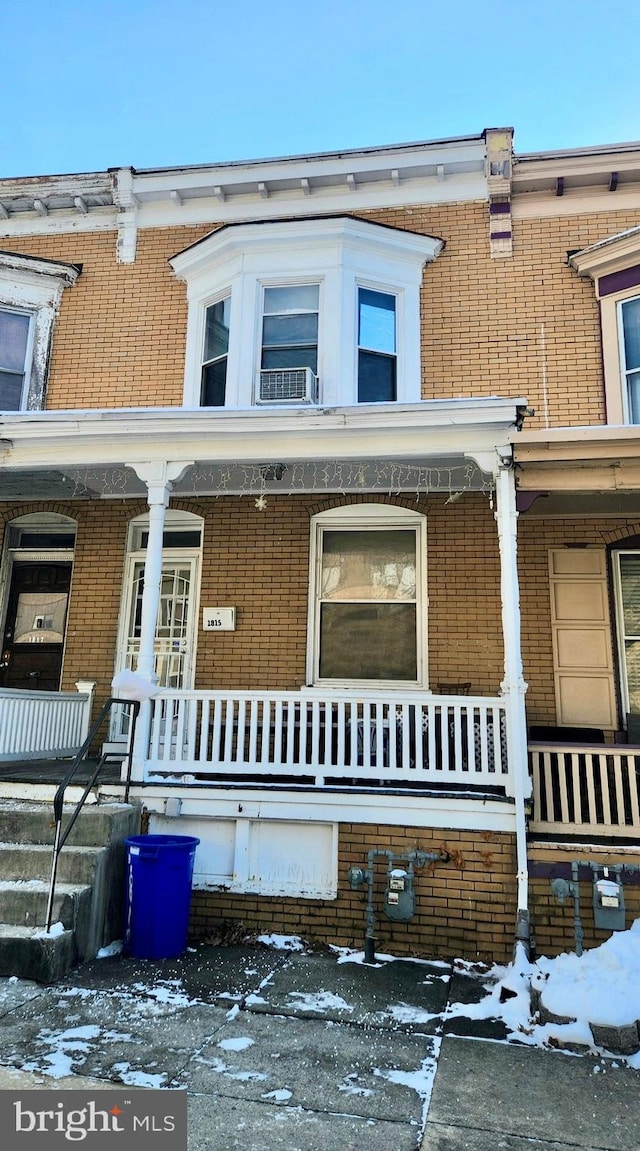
x=159, y=478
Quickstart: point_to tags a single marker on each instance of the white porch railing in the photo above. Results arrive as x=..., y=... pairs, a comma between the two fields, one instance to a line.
x=43, y=724
x=585, y=790
x=337, y=738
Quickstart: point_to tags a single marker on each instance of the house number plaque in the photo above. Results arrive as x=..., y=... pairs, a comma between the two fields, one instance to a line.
x=219, y=618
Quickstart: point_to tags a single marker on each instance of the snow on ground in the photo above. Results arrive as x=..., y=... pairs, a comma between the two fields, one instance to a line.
x=601, y=986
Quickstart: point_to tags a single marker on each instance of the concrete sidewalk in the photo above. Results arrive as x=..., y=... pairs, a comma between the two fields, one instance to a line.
x=293, y=1050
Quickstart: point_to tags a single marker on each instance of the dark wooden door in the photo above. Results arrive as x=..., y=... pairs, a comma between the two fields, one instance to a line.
x=34, y=630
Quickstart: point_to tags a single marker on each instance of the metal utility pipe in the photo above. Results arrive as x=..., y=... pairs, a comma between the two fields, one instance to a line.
x=417, y=857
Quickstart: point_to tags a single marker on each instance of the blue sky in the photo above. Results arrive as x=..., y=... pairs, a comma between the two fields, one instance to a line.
x=164, y=82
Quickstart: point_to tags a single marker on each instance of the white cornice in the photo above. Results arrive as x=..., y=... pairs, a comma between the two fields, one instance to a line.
x=440, y=172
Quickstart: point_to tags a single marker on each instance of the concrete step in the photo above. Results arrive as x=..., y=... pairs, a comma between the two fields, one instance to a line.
x=98, y=825
x=30, y=954
x=89, y=894
x=24, y=903
x=33, y=861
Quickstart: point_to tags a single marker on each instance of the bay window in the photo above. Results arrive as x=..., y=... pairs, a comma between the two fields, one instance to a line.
x=323, y=310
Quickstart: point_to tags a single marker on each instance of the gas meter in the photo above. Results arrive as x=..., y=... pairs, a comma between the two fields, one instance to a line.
x=399, y=896
x=608, y=903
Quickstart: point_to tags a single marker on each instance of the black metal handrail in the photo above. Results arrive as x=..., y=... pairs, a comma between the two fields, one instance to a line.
x=60, y=837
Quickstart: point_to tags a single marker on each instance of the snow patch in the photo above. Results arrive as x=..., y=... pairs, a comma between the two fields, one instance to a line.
x=239, y=1044
x=282, y=942
x=319, y=1001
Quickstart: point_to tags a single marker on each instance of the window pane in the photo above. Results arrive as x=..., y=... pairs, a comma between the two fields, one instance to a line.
x=369, y=565
x=285, y=331
x=377, y=321
x=216, y=337
x=10, y=391
x=632, y=661
x=14, y=332
x=301, y=298
x=633, y=383
x=631, y=328
x=630, y=581
x=368, y=641
x=274, y=358
x=214, y=379
x=376, y=378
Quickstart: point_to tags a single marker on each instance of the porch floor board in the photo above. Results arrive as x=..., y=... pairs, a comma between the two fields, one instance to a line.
x=54, y=771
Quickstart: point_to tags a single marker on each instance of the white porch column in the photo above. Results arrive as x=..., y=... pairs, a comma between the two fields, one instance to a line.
x=513, y=685
x=159, y=478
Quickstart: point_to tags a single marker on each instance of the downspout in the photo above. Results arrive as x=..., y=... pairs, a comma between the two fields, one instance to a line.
x=513, y=686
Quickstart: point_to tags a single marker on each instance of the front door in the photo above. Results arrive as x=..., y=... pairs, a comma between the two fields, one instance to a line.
x=34, y=629
x=175, y=630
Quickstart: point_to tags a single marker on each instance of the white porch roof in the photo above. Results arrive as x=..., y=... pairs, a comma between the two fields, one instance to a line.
x=435, y=445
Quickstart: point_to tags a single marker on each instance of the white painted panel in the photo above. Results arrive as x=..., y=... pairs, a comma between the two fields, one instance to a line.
x=215, y=852
x=293, y=859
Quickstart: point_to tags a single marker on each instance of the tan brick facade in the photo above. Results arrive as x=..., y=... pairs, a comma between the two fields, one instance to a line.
x=463, y=907
x=120, y=337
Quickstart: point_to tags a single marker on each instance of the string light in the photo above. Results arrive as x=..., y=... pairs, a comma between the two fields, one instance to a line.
x=342, y=477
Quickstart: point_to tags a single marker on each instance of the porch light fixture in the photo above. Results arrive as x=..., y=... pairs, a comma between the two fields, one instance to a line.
x=272, y=471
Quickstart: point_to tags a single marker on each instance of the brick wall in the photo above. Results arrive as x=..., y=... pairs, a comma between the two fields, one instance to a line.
x=553, y=924
x=465, y=907
x=120, y=337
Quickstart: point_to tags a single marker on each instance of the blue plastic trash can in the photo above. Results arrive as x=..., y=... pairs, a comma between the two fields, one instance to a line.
x=158, y=894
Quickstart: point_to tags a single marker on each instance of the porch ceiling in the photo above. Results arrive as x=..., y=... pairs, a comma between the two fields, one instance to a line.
x=432, y=446
x=445, y=474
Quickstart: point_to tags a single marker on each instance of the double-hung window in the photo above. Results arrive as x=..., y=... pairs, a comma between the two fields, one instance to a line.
x=215, y=355
x=15, y=329
x=289, y=345
x=367, y=606
x=290, y=328
x=630, y=355
x=377, y=349
x=30, y=294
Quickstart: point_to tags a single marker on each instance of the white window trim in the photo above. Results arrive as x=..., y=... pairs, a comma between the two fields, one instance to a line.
x=623, y=680
x=620, y=299
x=615, y=254
x=338, y=253
x=367, y=516
x=615, y=382
x=33, y=286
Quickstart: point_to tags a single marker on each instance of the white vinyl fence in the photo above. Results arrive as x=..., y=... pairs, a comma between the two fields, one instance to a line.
x=337, y=738
x=43, y=724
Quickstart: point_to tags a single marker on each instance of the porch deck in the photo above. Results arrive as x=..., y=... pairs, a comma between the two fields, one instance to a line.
x=52, y=771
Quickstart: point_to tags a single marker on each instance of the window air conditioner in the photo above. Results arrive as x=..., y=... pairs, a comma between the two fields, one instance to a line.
x=287, y=386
